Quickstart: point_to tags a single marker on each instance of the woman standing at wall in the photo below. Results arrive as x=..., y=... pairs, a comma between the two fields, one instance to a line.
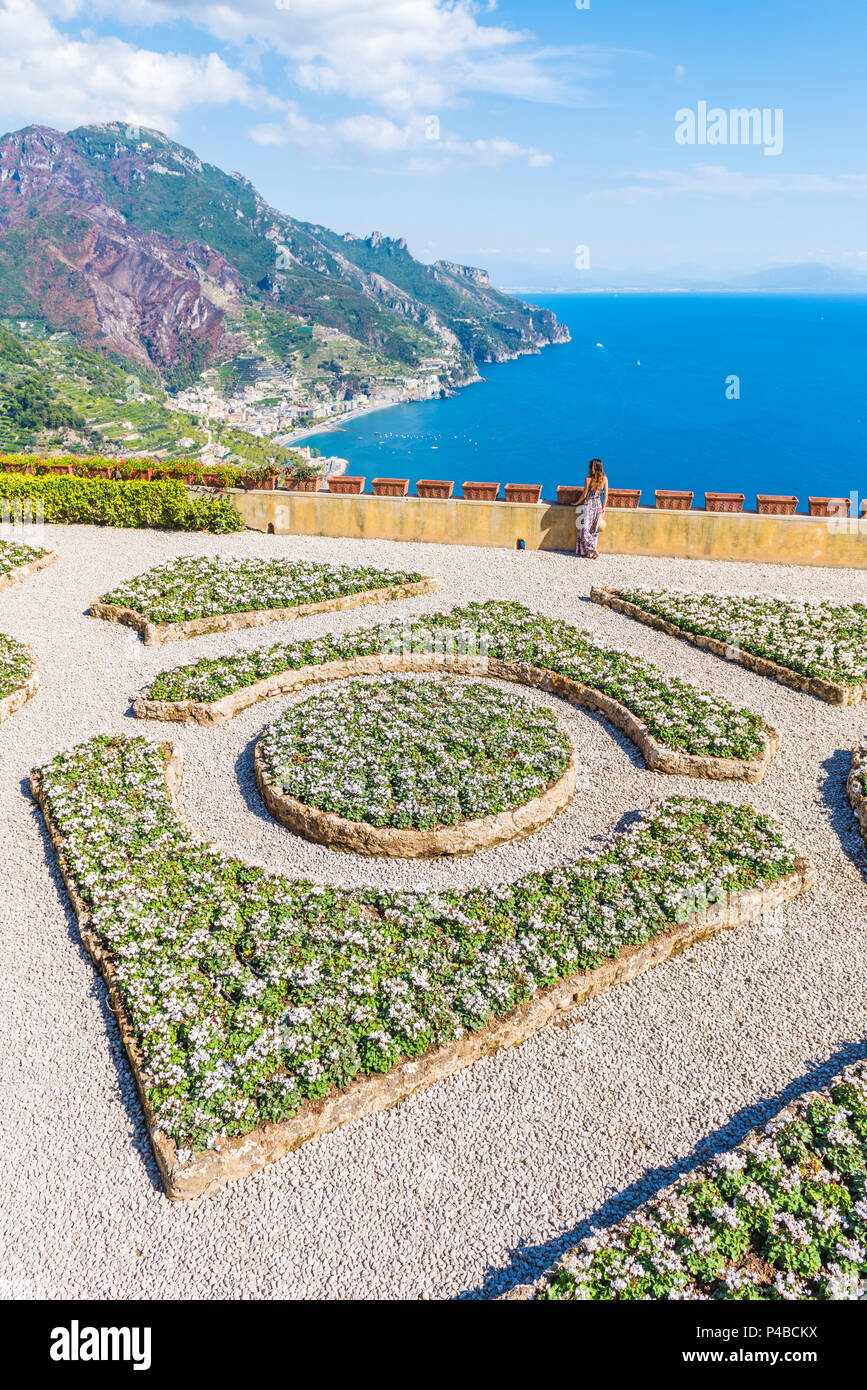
x=590, y=511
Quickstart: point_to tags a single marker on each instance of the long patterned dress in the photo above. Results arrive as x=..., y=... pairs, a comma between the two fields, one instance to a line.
x=588, y=514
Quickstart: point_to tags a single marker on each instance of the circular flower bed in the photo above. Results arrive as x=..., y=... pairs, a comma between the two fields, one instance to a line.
x=402, y=755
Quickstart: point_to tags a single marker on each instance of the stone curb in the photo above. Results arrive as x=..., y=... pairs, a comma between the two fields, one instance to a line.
x=11, y=703
x=154, y=634
x=357, y=837
x=746, y=1145
x=236, y=1157
x=20, y=572
x=832, y=692
x=657, y=756
x=857, y=798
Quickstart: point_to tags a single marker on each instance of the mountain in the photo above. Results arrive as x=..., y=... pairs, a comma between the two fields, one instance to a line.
x=136, y=247
x=811, y=277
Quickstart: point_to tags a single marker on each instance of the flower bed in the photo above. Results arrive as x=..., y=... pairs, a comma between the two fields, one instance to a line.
x=102, y=502
x=814, y=646
x=782, y=1216
x=18, y=562
x=678, y=727
x=202, y=593
x=856, y=785
x=259, y=1011
x=409, y=767
x=19, y=678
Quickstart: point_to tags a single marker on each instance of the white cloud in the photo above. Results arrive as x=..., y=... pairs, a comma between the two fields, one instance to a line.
x=396, y=60
x=717, y=181
x=409, y=142
x=50, y=78
x=400, y=56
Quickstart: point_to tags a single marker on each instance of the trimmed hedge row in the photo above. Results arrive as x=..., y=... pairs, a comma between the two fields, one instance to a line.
x=100, y=502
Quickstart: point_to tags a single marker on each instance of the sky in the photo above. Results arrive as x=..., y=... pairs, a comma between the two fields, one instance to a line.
x=547, y=141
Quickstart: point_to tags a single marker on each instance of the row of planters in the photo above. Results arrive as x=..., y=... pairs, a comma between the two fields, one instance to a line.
x=304, y=476
x=768, y=504
x=301, y=475
x=440, y=488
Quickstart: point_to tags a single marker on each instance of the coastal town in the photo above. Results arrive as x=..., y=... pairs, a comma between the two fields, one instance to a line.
x=285, y=408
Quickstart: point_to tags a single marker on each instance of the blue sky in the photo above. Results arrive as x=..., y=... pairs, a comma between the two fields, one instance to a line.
x=505, y=134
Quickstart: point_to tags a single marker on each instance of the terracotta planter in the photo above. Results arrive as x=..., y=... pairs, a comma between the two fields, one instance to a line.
x=569, y=496
x=829, y=506
x=624, y=496
x=139, y=475
x=480, y=492
x=522, y=492
x=302, y=484
x=346, y=484
x=390, y=487
x=259, y=484
x=10, y=466
x=672, y=500
x=58, y=470
x=772, y=504
x=434, y=487
x=98, y=472
x=724, y=501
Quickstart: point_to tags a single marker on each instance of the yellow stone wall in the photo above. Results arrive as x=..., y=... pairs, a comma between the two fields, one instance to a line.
x=782, y=540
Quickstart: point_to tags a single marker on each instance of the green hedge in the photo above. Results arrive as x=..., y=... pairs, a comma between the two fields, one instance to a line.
x=99, y=502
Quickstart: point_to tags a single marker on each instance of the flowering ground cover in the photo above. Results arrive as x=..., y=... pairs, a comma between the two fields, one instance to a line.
x=783, y=1216
x=13, y=555
x=15, y=663
x=826, y=641
x=677, y=714
x=202, y=586
x=415, y=753
x=248, y=994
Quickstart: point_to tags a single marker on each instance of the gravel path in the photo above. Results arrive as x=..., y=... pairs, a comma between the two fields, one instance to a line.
x=480, y=1182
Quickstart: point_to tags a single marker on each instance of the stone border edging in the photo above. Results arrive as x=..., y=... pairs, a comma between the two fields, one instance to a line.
x=832, y=692
x=528, y=1292
x=154, y=634
x=241, y=1155
x=658, y=757
x=11, y=703
x=857, y=798
x=358, y=837
x=20, y=572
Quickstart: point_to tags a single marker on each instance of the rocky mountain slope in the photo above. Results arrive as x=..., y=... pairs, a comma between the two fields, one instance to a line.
x=134, y=245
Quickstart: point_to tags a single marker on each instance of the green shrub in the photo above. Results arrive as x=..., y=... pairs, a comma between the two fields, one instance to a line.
x=101, y=502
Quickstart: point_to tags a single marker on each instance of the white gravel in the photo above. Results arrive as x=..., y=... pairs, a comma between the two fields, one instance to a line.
x=480, y=1182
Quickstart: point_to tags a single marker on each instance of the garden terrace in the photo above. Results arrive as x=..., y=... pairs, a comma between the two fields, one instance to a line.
x=782, y=1216
x=811, y=645
x=678, y=727
x=198, y=594
x=476, y=1184
x=258, y=1011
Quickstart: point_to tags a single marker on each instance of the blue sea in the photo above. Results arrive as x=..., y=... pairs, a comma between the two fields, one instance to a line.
x=643, y=385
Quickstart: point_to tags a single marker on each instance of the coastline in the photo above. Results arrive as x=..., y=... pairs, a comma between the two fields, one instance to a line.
x=333, y=424
x=413, y=397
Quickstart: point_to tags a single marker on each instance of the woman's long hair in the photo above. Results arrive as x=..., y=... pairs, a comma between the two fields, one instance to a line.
x=595, y=473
